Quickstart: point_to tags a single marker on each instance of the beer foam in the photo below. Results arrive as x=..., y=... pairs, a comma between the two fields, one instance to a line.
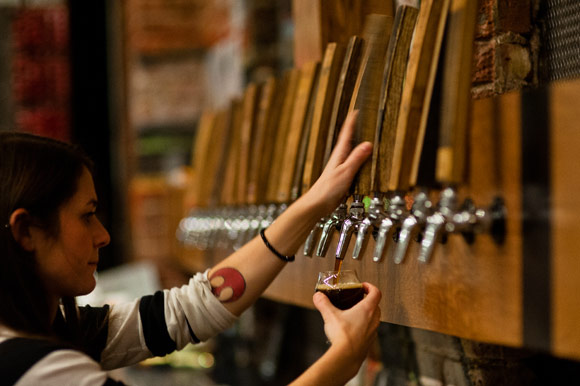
x=340, y=286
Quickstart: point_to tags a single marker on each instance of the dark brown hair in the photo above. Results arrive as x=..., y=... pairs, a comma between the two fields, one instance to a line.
x=40, y=175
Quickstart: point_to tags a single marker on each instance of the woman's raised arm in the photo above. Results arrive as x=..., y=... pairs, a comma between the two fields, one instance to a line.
x=240, y=279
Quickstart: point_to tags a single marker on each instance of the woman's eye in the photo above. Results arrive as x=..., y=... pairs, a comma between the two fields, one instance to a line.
x=89, y=216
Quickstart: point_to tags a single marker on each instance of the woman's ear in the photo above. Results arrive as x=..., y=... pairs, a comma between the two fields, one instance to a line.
x=20, y=227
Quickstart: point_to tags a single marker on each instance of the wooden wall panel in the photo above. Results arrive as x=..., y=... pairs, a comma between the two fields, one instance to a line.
x=468, y=291
x=565, y=170
x=482, y=291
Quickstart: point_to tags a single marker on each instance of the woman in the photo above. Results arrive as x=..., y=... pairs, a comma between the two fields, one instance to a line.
x=49, y=243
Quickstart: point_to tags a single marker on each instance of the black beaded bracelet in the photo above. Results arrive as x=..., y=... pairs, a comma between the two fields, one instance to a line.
x=274, y=251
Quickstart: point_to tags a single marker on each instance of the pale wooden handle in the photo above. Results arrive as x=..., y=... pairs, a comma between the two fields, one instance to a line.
x=456, y=95
x=266, y=170
x=292, y=78
x=261, y=140
x=199, y=157
x=295, y=130
x=214, y=167
x=229, y=194
x=419, y=80
x=251, y=96
x=323, y=103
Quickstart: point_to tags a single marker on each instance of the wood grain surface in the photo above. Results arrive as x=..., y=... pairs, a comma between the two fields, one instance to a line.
x=308, y=77
x=476, y=291
x=293, y=78
x=249, y=108
x=320, y=22
x=366, y=94
x=229, y=191
x=344, y=89
x=296, y=190
x=200, y=155
x=323, y=103
x=210, y=180
x=471, y=291
x=416, y=98
x=273, y=132
x=456, y=92
x=390, y=98
x=565, y=220
x=262, y=139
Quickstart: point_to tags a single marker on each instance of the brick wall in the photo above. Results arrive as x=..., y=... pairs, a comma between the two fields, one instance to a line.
x=506, y=47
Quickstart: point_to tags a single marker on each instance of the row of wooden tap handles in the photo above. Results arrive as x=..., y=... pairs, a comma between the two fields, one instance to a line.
x=405, y=75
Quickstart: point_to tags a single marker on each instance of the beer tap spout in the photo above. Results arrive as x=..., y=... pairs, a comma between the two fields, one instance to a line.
x=438, y=223
x=412, y=224
x=472, y=220
x=408, y=228
x=313, y=237
x=389, y=223
x=328, y=228
x=349, y=226
x=433, y=230
x=376, y=213
x=385, y=230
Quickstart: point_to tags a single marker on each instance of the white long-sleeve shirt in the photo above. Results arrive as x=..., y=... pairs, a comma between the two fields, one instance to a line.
x=153, y=325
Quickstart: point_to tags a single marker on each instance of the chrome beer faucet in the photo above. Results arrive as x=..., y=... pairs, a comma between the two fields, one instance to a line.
x=467, y=220
x=333, y=223
x=441, y=220
x=376, y=213
x=472, y=220
x=314, y=236
x=412, y=224
x=350, y=225
x=388, y=225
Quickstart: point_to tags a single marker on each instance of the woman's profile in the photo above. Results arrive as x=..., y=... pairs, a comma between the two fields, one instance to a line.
x=50, y=237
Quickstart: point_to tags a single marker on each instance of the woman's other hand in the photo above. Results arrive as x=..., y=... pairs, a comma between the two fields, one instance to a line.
x=332, y=186
x=351, y=330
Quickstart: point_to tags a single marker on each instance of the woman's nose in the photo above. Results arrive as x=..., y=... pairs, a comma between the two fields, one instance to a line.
x=102, y=238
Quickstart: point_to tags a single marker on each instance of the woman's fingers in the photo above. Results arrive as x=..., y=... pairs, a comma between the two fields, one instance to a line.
x=323, y=305
x=373, y=295
x=344, y=141
x=357, y=157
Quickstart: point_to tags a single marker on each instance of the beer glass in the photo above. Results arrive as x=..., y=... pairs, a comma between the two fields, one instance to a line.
x=343, y=288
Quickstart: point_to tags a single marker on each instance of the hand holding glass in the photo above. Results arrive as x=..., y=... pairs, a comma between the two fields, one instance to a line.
x=343, y=288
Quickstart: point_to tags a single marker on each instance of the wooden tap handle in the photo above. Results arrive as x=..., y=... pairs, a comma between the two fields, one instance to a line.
x=367, y=89
x=391, y=93
x=308, y=75
x=222, y=147
x=249, y=108
x=261, y=140
x=291, y=80
x=229, y=194
x=210, y=174
x=201, y=147
x=456, y=92
x=419, y=80
x=273, y=119
x=323, y=103
x=296, y=189
x=343, y=94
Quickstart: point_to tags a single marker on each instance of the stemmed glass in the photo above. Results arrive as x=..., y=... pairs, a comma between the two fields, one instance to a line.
x=343, y=288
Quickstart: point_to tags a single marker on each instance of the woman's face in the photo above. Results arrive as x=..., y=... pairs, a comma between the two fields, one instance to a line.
x=68, y=262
